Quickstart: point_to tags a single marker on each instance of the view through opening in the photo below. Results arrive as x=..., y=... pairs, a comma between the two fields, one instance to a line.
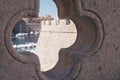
x=25, y=35
x=45, y=35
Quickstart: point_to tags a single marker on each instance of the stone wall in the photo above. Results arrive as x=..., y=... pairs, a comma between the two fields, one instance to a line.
x=95, y=55
x=52, y=38
x=13, y=65
x=35, y=27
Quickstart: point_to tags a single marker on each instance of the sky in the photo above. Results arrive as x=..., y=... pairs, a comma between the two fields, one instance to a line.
x=47, y=7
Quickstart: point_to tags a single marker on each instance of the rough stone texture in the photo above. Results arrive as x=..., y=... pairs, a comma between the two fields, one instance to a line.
x=101, y=60
x=16, y=66
x=94, y=56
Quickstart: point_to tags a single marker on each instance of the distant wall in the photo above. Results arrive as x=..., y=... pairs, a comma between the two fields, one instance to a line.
x=22, y=26
x=35, y=27
x=52, y=38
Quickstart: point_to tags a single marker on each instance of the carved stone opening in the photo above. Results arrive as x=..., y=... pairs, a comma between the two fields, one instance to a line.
x=89, y=39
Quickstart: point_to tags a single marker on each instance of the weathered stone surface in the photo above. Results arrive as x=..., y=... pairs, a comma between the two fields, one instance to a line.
x=94, y=56
x=16, y=66
x=99, y=59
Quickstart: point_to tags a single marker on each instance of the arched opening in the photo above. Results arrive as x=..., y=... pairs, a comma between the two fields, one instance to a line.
x=89, y=39
x=54, y=33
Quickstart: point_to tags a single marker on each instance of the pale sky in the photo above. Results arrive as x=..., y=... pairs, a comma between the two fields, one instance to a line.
x=47, y=7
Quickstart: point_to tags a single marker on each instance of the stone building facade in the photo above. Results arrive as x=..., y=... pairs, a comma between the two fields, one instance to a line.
x=95, y=55
x=27, y=25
